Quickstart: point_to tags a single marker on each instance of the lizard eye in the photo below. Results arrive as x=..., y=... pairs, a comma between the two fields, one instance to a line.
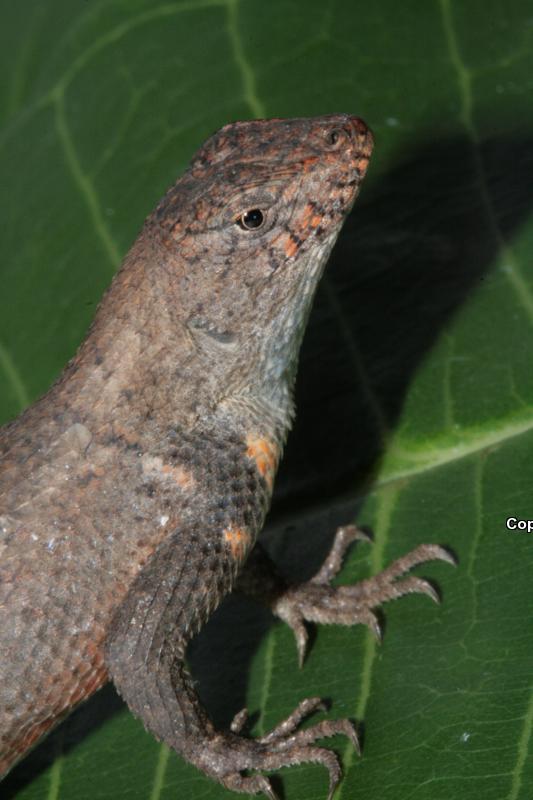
x=251, y=220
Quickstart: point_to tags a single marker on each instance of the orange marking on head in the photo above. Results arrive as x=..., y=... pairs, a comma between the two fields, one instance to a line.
x=308, y=162
x=239, y=541
x=265, y=454
x=362, y=164
x=291, y=247
x=307, y=219
x=304, y=219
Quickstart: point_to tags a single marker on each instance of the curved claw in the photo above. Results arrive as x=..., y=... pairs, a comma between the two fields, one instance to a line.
x=252, y=784
x=317, y=601
x=287, y=609
x=329, y=760
x=267, y=789
x=442, y=554
x=335, y=775
x=331, y=791
x=346, y=728
x=424, y=587
x=239, y=721
x=354, y=738
x=372, y=622
x=302, y=638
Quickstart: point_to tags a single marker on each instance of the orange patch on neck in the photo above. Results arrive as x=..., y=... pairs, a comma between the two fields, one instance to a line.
x=239, y=541
x=265, y=453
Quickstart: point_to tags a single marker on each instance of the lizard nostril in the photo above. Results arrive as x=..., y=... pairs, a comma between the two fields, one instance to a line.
x=361, y=135
x=358, y=126
x=336, y=137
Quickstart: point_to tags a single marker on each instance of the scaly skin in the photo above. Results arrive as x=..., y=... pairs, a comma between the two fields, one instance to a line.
x=133, y=492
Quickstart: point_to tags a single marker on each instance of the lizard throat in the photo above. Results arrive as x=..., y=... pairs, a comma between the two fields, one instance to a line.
x=278, y=357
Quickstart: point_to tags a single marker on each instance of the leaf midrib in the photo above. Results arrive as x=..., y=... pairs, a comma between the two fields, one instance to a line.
x=413, y=457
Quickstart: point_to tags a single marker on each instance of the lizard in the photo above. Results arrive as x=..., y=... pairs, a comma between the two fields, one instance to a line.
x=133, y=492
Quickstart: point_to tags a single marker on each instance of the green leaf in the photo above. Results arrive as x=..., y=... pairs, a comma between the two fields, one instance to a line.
x=415, y=392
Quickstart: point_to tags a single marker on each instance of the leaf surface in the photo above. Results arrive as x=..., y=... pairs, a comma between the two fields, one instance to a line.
x=415, y=392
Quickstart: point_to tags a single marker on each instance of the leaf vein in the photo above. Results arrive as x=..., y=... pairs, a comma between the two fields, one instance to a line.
x=14, y=378
x=523, y=750
x=55, y=772
x=385, y=510
x=248, y=78
x=405, y=462
x=160, y=771
x=83, y=183
x=110, y=37
x=464, y=79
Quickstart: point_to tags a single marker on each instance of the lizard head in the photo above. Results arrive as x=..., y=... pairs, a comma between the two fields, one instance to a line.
x=247, y=231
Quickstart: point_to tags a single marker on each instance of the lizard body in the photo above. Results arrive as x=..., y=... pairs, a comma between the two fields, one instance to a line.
x=132, y=493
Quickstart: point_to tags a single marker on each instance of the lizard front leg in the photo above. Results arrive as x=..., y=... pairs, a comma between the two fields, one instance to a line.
x=170, y=599
x=317, y=601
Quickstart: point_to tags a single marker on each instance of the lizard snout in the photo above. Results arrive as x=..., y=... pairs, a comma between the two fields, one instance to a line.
x=361, y=135
x=346, y=131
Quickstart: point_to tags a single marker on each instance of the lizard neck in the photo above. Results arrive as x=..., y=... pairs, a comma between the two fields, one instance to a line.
x=136, y=365
x=150, y=364
x=142, y=370
x=270, y=384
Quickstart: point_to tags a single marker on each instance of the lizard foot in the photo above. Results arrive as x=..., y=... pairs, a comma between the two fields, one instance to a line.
x=227, y=756
x=318, y=601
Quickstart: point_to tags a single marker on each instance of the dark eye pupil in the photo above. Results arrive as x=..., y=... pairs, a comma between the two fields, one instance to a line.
x=334, y=136
x=251, y=219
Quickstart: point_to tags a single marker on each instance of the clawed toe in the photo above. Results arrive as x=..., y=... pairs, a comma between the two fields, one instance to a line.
x=420, y=555
x=318, y=601
x=419, y=586
x=344, y=538
x=308, y=754
x=283, y=746
x=374, y=592
x=239, y=721
x=249, y=784
x=303, y=710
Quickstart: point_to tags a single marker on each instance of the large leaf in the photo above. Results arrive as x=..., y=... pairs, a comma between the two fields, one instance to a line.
x=417, y=357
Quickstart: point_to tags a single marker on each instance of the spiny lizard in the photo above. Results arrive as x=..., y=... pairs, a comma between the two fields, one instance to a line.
x=133, y=492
